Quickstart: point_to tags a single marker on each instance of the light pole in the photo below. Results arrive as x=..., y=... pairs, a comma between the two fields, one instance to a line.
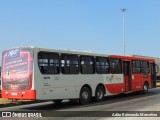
x=123, y=13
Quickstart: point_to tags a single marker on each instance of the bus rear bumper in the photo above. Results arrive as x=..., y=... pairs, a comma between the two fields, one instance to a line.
x=25, y=95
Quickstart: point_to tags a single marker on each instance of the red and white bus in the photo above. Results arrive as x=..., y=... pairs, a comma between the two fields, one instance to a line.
x=47, y=74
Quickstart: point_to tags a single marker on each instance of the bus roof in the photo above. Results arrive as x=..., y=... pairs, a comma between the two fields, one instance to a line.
x=68, y=51
x=132, y=58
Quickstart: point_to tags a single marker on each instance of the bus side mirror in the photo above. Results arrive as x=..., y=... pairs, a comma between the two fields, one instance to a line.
x=157, y=68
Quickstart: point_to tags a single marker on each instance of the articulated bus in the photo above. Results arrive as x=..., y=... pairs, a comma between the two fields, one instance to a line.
x=47, y=74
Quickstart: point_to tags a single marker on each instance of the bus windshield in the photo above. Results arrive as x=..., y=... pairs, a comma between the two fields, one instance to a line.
x=17, y=69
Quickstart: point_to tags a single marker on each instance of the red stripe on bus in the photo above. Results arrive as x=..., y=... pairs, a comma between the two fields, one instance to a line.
x=115, y=88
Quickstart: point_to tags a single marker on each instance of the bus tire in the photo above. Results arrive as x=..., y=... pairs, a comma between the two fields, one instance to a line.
x=85, y=95
x=57, y=101
x=145, y=88
x=99, y=93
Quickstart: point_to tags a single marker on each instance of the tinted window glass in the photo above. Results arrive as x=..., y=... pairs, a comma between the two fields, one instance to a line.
x=136, y=67
x=102, y=65
x=115, y=66
x=144, y=67
x=48, y=63
x=87, y=65
x=69, y=64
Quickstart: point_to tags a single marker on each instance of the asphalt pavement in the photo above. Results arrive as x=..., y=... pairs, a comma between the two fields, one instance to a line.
x=119, y=104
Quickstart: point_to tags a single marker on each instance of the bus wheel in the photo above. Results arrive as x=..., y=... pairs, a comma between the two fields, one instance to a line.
x=85, y=95
x=99, y=94
x=145, y=88
x=57, y=101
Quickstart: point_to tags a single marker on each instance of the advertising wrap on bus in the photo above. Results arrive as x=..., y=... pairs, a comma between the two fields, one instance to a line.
x=17, y=69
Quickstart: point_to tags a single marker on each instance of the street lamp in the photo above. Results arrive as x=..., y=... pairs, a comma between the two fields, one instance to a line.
x=123, y=13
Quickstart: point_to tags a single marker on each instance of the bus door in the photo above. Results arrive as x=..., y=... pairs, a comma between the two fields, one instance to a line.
x=153, y=75
x=127, y=75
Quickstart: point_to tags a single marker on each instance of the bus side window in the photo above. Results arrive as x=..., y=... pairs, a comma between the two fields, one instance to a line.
x=115, y=66
x=136, y=66
x=48, y=63
x=144, y=67
x=87, y=64
x=43, y=64
x=102, y=65
x=69, y=64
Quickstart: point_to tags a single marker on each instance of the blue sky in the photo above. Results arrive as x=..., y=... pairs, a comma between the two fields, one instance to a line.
x=83, y=25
